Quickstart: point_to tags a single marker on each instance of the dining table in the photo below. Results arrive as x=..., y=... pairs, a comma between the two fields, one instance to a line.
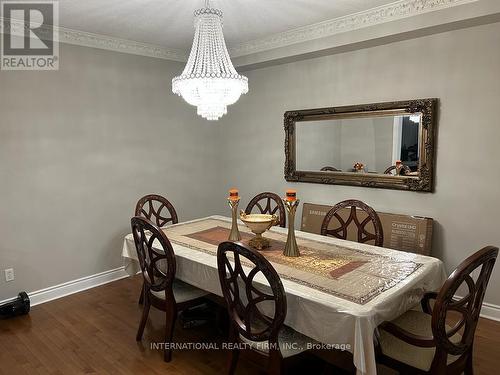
x=337, y=291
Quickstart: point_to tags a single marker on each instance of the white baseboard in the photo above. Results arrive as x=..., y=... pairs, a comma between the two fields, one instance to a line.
x=488, y=310
x=65, y=289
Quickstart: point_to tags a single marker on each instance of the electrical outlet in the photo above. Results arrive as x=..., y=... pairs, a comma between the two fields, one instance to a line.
x=9, y=274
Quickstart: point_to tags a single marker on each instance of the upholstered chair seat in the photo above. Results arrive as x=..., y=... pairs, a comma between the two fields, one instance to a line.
x=290, y=342
x=417, y=323
x=182, y=292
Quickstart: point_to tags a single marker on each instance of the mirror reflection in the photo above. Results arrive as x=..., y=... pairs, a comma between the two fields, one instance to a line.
x=382, y=144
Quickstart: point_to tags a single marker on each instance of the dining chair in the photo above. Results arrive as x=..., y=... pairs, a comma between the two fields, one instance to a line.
x=161, y=289
x=156, y=208
x=330, y=169
x=259, y=328
x=389, y=170
x=269, y=208
x=422, y=342
x=151, y=207
x=363, y=234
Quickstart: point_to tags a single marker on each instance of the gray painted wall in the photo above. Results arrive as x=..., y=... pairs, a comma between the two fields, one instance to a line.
x=341, y=143
x=78, y=147
x=317, y=144
x=462, y=68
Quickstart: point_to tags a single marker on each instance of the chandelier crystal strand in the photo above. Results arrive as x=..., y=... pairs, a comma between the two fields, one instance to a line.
x=209, y=81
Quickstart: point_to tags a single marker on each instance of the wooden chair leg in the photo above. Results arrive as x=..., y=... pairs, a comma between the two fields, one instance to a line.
x=469, y=366
x=141, y=297
x=222, y=320
x=276, y=365
x=144, y=319
x=234, y=354
x=170, y=319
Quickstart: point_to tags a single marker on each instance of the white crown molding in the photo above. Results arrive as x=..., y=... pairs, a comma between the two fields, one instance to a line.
x=81, y=38
x=371, y=17
x=86, y=39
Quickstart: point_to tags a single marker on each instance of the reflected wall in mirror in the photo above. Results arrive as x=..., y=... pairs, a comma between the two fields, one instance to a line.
x=388, y=145
x=377, y=143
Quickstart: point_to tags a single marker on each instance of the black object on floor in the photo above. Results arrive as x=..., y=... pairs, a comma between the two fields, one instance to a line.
x=19, y=306
x=197, y=316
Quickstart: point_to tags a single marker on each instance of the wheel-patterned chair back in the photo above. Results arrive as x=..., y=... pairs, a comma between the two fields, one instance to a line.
x=268, y=203
x=340, y=230
x=392, y=168
x=157, y=209
x=330, y=169
x=243, y=296
x=156, y=256
x=468, y=307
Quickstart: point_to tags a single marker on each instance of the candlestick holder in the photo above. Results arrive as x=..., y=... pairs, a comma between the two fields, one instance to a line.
x=291, y=247
x=235, y=233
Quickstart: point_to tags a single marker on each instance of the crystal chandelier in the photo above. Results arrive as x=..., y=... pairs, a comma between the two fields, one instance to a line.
x=209, y=80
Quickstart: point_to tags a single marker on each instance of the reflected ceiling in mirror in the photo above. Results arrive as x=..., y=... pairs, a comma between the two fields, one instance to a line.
x=388, y=145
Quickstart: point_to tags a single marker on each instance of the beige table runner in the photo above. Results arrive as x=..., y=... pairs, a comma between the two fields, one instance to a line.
x=352, y=274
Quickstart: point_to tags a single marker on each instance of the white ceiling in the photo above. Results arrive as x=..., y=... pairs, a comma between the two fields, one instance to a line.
x=169, y=23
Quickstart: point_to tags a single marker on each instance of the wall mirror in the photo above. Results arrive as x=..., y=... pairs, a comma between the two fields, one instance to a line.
x=382, y=145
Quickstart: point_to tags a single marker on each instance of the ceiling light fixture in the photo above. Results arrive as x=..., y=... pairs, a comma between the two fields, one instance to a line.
x=209, y=80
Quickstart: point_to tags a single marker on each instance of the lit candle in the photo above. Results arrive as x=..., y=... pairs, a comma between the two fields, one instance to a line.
x=233, y=194
x=291, y=195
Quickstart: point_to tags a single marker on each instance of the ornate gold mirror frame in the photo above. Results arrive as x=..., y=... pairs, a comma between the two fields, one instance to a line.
x=424, y=181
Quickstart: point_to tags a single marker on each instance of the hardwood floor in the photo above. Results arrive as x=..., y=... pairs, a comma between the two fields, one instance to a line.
x=93, y=332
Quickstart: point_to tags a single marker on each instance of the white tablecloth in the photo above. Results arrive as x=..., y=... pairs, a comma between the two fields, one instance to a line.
x=321, y=316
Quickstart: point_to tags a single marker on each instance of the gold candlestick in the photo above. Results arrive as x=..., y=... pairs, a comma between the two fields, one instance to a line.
x=291, y=247
x=235, y=233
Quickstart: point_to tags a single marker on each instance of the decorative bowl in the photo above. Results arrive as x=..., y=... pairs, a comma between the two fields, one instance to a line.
x=258, y=224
